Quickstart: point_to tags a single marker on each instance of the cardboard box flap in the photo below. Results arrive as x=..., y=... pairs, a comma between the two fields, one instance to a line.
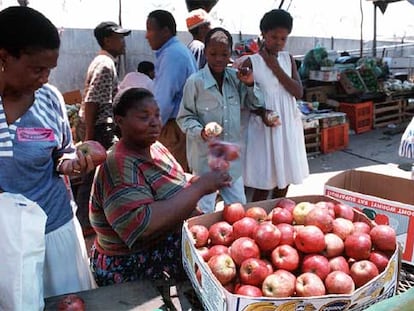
x=373, y=184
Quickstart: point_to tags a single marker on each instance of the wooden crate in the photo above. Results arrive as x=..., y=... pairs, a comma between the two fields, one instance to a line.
x=388, y=112
x=72, y=97
x=312, y=141
x=408, y=109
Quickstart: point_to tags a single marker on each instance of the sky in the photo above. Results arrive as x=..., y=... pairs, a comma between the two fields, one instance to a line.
x=316, y=18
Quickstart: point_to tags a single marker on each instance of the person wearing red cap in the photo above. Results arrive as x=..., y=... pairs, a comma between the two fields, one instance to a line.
x=101, y=86
x=198, y=24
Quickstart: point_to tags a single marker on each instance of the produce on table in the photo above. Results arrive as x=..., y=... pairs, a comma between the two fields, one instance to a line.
x=320, y=251
x=71, y=302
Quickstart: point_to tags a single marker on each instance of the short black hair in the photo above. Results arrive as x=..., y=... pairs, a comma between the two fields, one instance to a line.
x=128, y=99
x=276, y=19
x=145, y=67
x=221, y=34
x=164, y=19
x=24, y=30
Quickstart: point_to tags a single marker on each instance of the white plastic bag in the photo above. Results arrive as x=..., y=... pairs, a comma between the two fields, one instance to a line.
x=22, y=232
x=407, y=142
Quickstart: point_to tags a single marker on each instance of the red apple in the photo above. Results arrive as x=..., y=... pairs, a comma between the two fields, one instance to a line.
x=253, y=271
x=383, y=238
x=204, y=252
x=309, y=284
x=287, y=234
x=95, y=150
x=339, y=263
x=361, y=227
x=267, y=236
x=329, y=206
x=286, y=203
x=256, y=212
x=245, y=227
x=344, y=211
x=249, y=290
x=221, y=233
x=279, y=284
x=342, y=227
x=200, y=235
x=334, y=245
x=244, y=248
x=358, y=246
x=223, y=268
x=320, y=218
x=338, y=282
x=300, y=211
x=363, y=271
x=317, y=264
x=71, y=302
x=310, y=239
x=281, y=215
x=285, y=257
x=380, y=259
x=217, y=250
x=233, y=212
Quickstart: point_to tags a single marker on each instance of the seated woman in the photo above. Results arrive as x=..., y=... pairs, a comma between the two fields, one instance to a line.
x=140, y=198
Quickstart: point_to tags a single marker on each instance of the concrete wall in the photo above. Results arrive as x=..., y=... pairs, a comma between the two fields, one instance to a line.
x=79, y=47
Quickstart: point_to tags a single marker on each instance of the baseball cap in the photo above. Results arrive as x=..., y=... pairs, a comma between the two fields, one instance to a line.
x=105, y=29
x=197, y=18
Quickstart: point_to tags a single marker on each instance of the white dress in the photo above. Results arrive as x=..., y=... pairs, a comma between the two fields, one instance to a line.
x=274, y=156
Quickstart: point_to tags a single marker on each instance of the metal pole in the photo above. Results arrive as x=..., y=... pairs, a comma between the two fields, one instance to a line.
x=374, y=40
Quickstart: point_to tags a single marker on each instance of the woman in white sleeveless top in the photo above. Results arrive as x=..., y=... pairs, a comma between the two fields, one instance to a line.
x=275, y=157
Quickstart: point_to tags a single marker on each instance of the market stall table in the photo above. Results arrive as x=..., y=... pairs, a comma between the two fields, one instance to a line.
x=137, y=295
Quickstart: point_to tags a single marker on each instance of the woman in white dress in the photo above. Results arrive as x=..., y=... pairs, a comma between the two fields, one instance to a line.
x=275, y=157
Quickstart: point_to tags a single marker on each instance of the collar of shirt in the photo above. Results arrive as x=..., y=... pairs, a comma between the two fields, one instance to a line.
x=103, y=52
x=209, y=80
x=170, y=41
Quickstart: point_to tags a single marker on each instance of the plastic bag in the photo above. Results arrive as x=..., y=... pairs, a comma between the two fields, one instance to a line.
x=407, y=142
x=221, y=153
x=22, y=230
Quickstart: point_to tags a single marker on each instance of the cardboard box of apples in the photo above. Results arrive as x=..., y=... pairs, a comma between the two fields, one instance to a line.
x=298, y=253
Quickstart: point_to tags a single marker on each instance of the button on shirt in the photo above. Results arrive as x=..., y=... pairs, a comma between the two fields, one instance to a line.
x=203, y=103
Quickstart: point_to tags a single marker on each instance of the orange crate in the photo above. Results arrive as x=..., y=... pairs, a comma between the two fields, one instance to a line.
x=359, y=115
x=334, y=138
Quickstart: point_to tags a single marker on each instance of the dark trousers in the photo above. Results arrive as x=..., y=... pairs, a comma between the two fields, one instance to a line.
x=104, y=134
x=174, y=140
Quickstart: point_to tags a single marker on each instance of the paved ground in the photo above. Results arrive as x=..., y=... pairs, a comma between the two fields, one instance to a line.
x=376, y=150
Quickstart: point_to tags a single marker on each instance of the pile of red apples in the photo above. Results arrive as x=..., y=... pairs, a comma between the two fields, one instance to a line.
x=296, y=250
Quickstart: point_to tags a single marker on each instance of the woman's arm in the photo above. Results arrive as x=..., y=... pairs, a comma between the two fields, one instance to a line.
x=168, y=214
x=292, y=84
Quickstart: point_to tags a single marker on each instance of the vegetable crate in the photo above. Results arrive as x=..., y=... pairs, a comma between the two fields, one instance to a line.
x=352, y=82
x=359, y=115
x=387, y=112
x=334, y=138
x=312, y=141
x=408, y=109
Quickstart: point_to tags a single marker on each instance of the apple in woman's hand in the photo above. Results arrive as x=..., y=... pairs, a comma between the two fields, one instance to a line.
x=95, y=150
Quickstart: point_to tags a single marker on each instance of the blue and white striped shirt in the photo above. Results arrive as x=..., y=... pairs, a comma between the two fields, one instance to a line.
x=28, y=150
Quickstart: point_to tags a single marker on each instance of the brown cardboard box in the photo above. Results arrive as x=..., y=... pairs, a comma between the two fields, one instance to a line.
x=384, y=198
x=215, y=298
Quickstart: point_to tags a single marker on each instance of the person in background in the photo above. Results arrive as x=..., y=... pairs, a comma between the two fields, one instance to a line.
x=101, y=86
x=216, y=94
x=140, y=78
x=140, y=198
x=147, y=68
x=198, y=24
x=174, y=64
x=282, y=159
x=36, y=147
